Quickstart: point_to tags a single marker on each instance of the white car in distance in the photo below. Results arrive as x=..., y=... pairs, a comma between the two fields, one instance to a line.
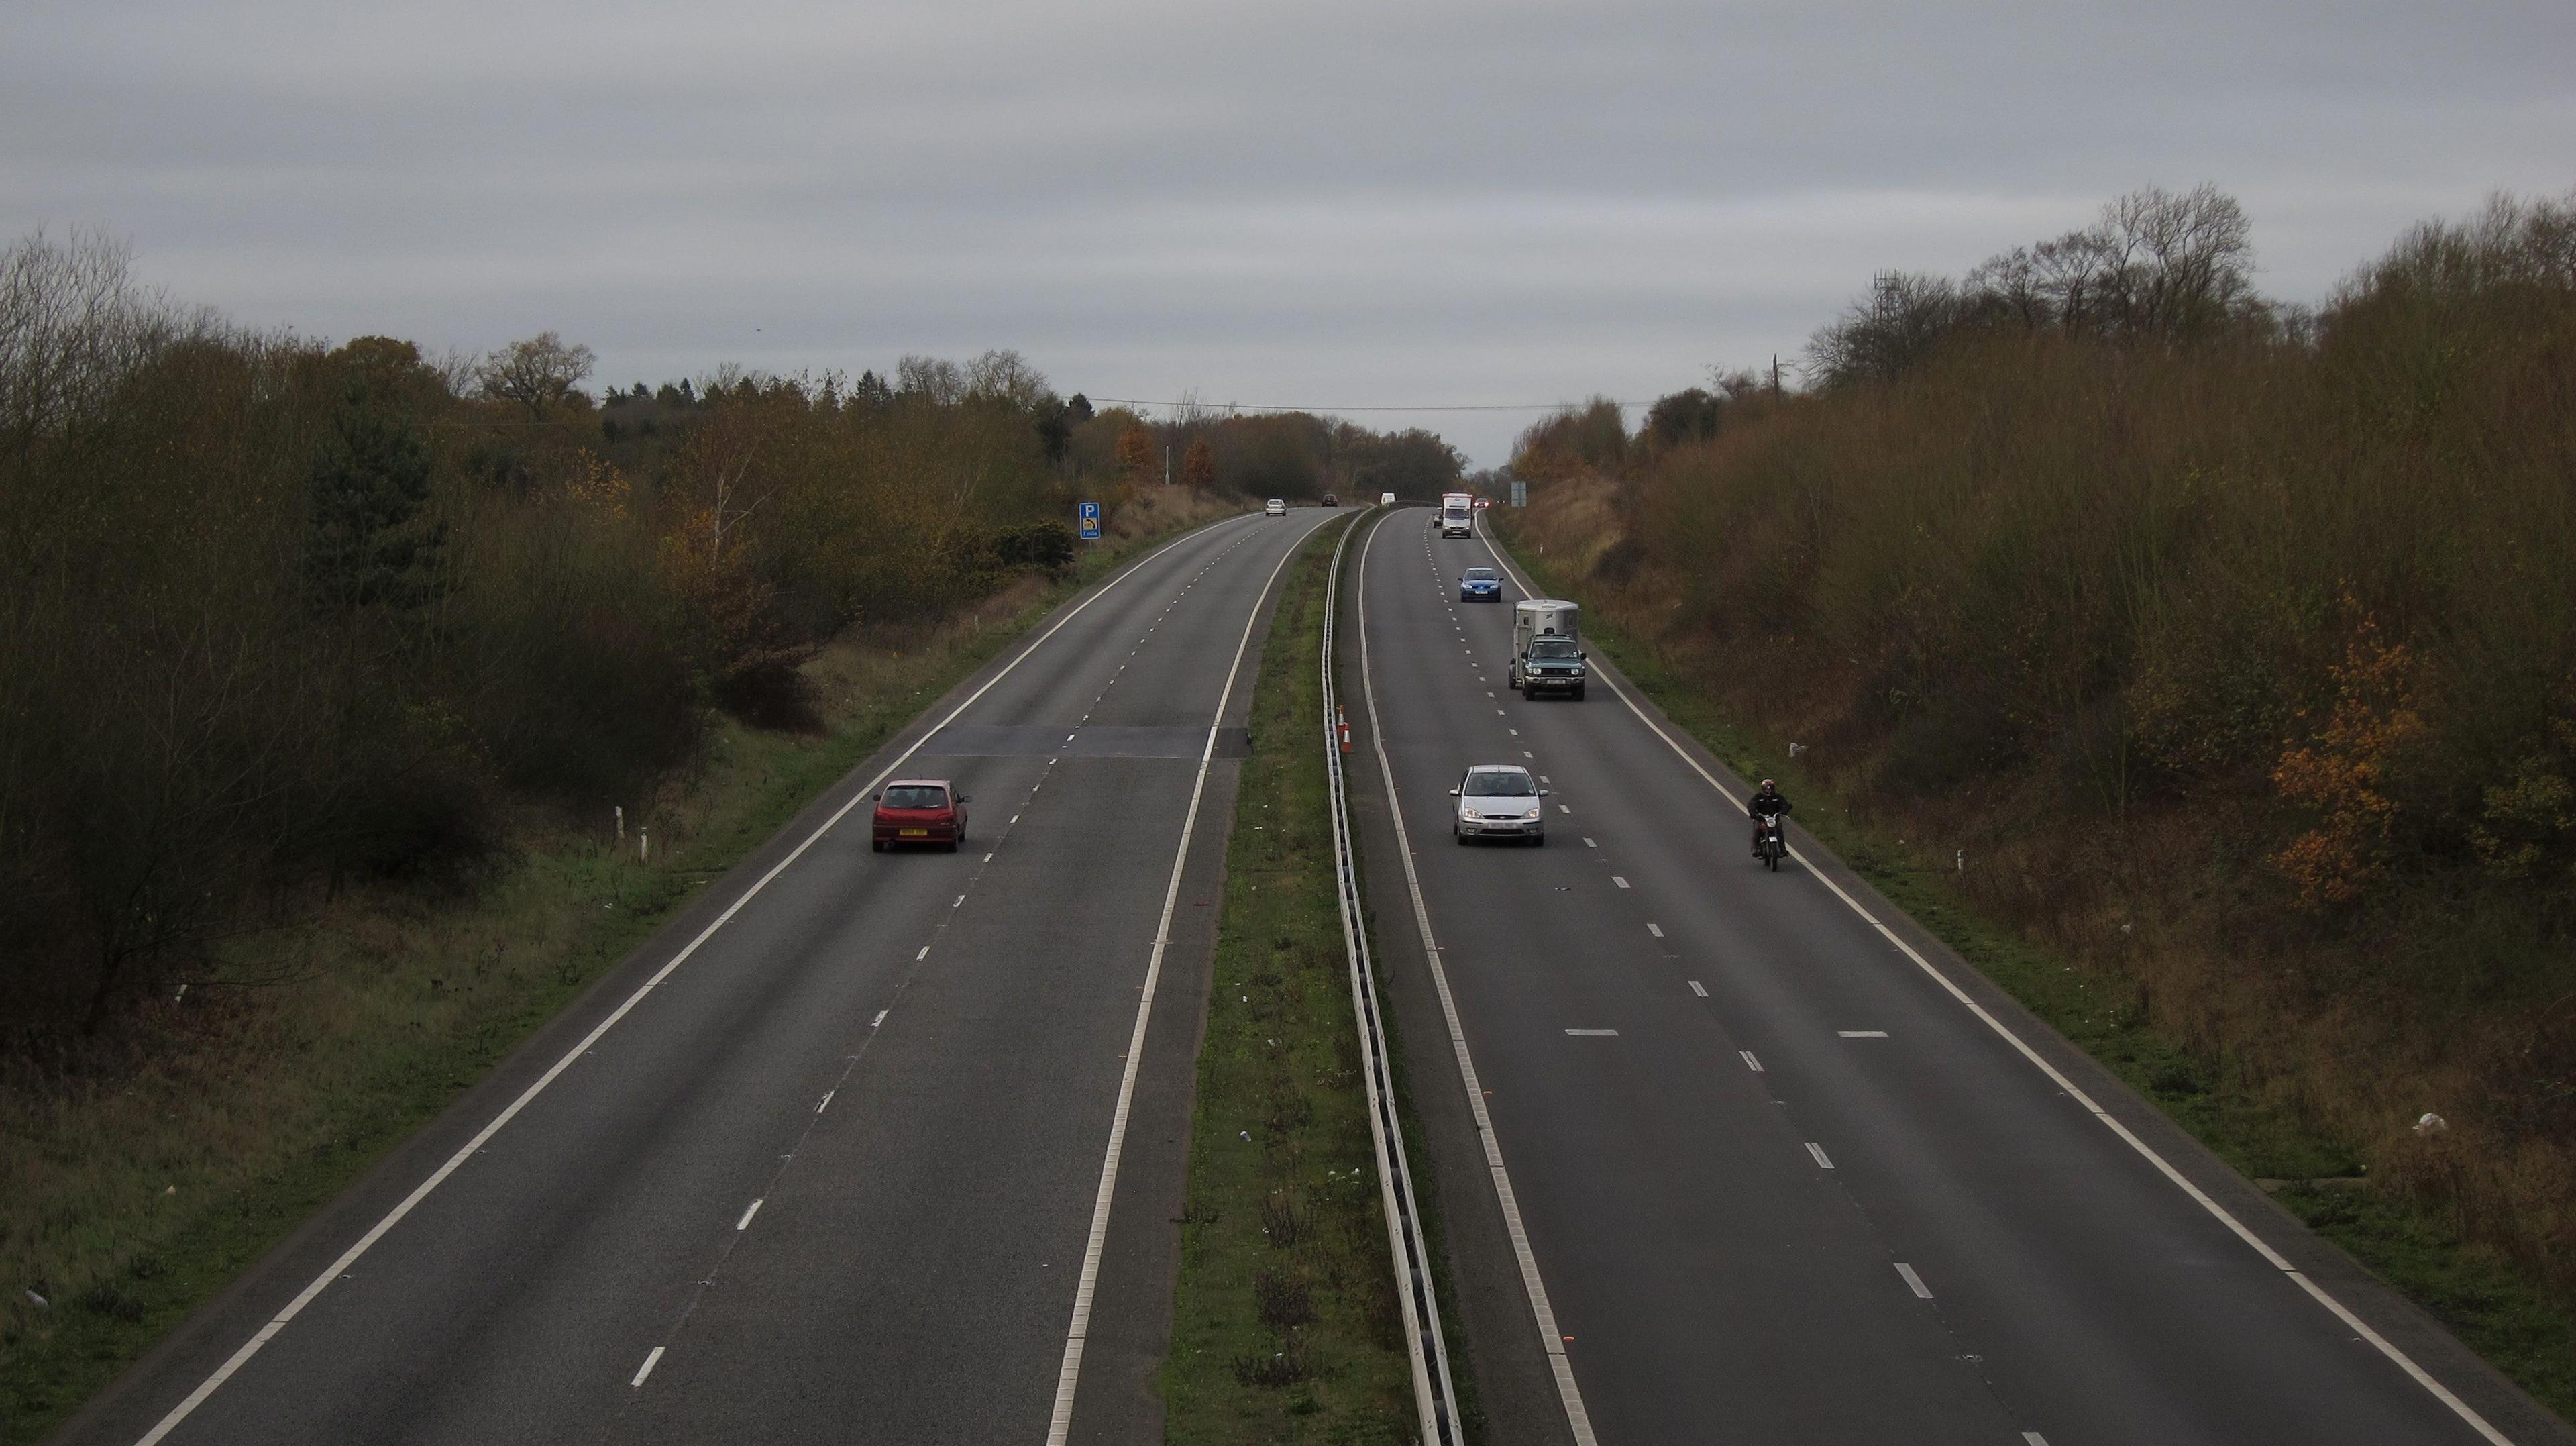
x=1275, y=507
x=1499, y=800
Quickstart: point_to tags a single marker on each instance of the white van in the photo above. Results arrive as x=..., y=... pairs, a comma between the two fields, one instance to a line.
x=1547, y=648
x=1457, y=514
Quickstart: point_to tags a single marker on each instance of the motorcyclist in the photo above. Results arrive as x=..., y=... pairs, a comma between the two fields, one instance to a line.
x=1769, y=800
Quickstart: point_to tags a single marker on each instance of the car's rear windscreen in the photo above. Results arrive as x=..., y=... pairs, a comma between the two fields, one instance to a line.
x=915, y=796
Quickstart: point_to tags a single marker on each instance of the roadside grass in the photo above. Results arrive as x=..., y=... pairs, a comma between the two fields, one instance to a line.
x=2493, y=1309
x=143, y=1178
x=1286, y=1326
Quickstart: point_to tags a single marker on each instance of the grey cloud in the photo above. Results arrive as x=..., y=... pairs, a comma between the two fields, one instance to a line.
x=1338, y=203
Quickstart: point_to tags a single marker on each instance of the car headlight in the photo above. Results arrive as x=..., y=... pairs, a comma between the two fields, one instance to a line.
x=1535, y=811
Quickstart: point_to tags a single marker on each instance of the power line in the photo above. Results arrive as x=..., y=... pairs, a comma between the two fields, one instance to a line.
x=1329, y=411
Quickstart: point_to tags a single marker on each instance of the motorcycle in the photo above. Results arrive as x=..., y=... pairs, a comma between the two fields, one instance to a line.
x=1771, y=847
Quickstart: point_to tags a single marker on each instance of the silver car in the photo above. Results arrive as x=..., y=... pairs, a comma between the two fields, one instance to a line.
x=1499, y=800
x=1275, y=507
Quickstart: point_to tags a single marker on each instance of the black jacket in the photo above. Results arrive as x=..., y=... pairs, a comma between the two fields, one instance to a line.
x=1772, y=802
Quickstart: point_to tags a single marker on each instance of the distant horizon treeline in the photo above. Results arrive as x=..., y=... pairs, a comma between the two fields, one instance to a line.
x=275, y=614
x=2234, y=644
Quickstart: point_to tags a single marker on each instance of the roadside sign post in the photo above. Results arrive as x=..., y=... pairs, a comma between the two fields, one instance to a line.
x=1090, y=514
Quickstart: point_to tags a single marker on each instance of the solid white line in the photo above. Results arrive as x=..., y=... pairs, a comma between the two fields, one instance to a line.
x=745, y=1222
x=1595, y=1033
x=1060, y=1424
x=1655, y=929
x=1862, y=1033
x=482, y=1137
x=2200, y=1197
x=1702, y=991
x=1819, y=1152
x=1750, y=1062
x=1913, y=1281
x=1577, y=1419
x=646, y=1369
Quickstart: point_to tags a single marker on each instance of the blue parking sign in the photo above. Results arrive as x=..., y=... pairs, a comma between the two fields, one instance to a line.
x=1090, y=521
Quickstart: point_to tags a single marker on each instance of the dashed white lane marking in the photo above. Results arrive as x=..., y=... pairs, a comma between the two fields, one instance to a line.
x=1914, y=1282
x=1561, y=808
x=825, y=1102
x=1594, y=1033
x=1750, y=1062
x=1655, y=929
x=1623, y=883
x=1497, y=712
x=1702, y=991
x=748, y=1211
x=879, y=1021
x=1514, y=732
x=1587, y=843
x=646, y=1369
x=924, y=954
x=2359, y=1327
x=1819, y=1152
x=961, y=902
x=2033, y=1438
x=1862, y=1033
x=1525, y=753
x=988, y=858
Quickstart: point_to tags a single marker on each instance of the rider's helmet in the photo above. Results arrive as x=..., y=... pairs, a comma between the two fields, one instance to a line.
x=1768, y=785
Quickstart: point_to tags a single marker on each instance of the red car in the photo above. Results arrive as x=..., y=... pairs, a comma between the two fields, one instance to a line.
x=920, y=811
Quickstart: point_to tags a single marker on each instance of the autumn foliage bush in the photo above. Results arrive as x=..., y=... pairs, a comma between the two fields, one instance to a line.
x=2239, y=660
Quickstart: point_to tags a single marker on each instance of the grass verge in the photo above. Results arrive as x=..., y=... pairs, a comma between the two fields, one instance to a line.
x=142, y=1179
x=2493, y=1309
x=1286, y=1326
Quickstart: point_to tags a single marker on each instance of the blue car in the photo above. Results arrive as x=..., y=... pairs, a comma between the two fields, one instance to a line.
x=1479, y=584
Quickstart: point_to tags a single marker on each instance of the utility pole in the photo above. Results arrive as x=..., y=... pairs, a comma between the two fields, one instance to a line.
x=1775, y=374
x=1167, y=464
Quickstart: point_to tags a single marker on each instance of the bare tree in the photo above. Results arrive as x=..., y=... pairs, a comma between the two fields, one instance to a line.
x=537, y=373
x=1904, y=316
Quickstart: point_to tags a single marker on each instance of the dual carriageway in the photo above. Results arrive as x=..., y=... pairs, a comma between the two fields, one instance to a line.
x=890, y=1148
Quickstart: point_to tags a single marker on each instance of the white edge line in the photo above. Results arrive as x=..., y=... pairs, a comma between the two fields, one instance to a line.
x=1060, y=1423
x=1577, y=1419
x=2200, y=1197
x=438, y=1177
x=1435, y=1392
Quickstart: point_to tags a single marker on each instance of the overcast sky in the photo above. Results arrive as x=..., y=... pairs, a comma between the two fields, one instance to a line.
x=1326, y=203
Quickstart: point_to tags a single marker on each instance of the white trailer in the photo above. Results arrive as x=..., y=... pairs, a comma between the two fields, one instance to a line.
x=1547, y=647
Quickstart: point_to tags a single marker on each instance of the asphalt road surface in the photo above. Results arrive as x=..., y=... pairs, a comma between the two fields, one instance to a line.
x=1777, y=1179
x=834, y=1176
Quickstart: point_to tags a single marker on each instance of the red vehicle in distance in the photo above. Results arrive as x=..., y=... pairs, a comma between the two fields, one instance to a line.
x=923, y=811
